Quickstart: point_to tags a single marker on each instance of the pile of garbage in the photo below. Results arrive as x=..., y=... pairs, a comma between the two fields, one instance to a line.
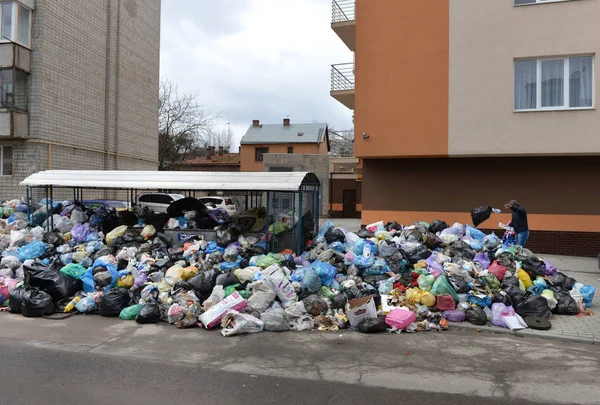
x=386, y=277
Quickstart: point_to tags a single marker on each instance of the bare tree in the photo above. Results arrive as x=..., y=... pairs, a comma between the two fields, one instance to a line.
x=341, y=143
x=183, y=125
x=222, y=138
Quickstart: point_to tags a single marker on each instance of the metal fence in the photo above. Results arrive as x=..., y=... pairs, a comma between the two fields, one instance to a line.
x=343, y=10
x=342, y=77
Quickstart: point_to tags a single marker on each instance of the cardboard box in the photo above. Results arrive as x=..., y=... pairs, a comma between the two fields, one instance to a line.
x=360, y=308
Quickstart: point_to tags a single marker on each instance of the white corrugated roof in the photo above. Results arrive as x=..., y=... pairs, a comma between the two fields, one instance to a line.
x=153, y=180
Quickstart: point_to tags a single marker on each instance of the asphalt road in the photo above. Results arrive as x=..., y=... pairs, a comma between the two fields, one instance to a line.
x=89, y=359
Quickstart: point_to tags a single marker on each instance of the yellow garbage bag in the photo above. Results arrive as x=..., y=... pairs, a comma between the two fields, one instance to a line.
x=428, y=299
x=413, y=295
x=125, y=281
x=524, y=277
x=115, y=233
x=189, y=272
x=148, y=232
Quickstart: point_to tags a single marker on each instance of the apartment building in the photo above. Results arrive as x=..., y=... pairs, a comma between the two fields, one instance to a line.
x=79, y=87
x=465, y=103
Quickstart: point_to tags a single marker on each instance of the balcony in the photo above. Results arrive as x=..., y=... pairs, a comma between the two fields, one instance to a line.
x=14, y=125
x=343, y=21
x=342, y=83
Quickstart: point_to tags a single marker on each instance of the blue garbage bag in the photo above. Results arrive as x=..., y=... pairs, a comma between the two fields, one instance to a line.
x=227, y=266
x=475, y=233
x=328, y=224
x=12, y=218
x=588, y=292
x=311, y=283
x=325, y=271
x=38, y=218
x=338, y=246
x=298, y=274
x=213, y=247
x=32, y=251
x=87, y=279
x=379, y=267
x=480, y=302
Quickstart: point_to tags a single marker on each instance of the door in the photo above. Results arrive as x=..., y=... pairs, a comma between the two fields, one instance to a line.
x=349, y=197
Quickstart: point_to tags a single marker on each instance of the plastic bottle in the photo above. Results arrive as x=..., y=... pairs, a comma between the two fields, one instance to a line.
x=72, y=304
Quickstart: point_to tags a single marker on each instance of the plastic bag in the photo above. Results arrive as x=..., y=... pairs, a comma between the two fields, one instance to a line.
x=58, y=285
x=217, y=295
x=189, y=272
x=442, y=286
x=491, y=241
x=454, y=315
x=499, y=311
x=311, y=282
x=428, y=299
x=587, y=292
x=149, y=313
x=535, y=305
x=372, y=325
x=483, y=259
x=262, y=297
x=113, y=302
x=175, y=313
x=235, y=323
x=275, y=320
x=314, y=305
x=552, y=302
x=498, y=270
x=148, y=232
x=36, y=303
x=80, y=232
x=524, y=277
x=549, y=270
x=73, y=270
x=267, y=261
x=16, y=299
x=86, y=305
x=325, y=271
x=245, y=275
x=480, y=214
x=481, y=300
x=476, y=316
x=399, y=319
x=445, y=302
x=115, y=233
x=130, y=313
x=32, y=251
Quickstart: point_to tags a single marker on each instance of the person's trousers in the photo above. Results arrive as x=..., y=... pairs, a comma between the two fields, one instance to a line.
x=522, y=238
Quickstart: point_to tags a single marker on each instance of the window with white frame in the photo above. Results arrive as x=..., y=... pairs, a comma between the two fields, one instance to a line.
x=554, y=83
x=15, y=23
x=6, y=159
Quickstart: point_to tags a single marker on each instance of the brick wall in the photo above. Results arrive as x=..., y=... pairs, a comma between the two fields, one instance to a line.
x=585, y=244
x=77, y=48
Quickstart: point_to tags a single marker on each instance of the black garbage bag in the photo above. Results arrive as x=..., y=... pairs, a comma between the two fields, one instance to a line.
x=180, y=207
x=149, y=313
x=413, y=235
x=503, y=298
x=515, y=294
x=365, y=233
x=369, y=290
x=480, y=215
x=55, y=283
x=133, y=236
x=335, y=235
x=437, y=226
x=534, y=267
x=461, y=250
x=15, y=299
x=432, y=241
x=339, y=301
x=53, y=238
x=105, y=251
x=227, y=279
x=414, y=253
x=36, y=303
x=509, y=281
x=459, y=284
x=314, y=305
x=204, y=282
x=387, y=248
x=535, y=305
x=562, y=280
x=114, y=301
x=476, y=316
x=372, y=325
x=393, y=226
x=566, y=304
x=252, y=251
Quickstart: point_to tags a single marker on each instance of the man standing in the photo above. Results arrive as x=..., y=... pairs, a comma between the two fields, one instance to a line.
x=519, y=222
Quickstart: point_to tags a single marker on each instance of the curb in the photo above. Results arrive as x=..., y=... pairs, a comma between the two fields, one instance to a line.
x=523, y=333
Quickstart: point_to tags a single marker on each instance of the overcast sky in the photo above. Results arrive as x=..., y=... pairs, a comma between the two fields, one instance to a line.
x=255, y=59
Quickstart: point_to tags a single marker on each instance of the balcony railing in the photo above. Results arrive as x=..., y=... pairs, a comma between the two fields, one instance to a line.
x=342, y=77
x=343, y=11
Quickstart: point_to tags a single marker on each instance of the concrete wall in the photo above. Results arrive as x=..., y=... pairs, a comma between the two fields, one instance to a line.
x=93, y=88
x=317, y=164
x=485, y=38
x=248, y=153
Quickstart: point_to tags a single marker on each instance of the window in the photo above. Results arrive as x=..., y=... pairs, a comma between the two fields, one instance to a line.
x=290, y=149
x=6, y=157
x=15, y=21
x=13, y=89
x=526, y=2
x=259, y=154
x=554, y=84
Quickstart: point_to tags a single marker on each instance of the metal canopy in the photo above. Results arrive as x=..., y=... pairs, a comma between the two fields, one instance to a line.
x=154, y=180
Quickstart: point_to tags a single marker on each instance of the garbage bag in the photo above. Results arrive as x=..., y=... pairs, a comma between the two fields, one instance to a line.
x=549, y=270
x=387, y=248
x=432, y=241
x=115, y=233
x=364, y=233
x=130, y=313
x=454, y=315
x=442, y=286
x=80, y=232
x=58, y=285
x=15, y=299
x=275, y=320
x=415, y=252
x=476, y=316
x=236, y=323
x=36, y=303
x=399, y=318
x=587, y=291
x=113, y=302
x=227, y=279
x=217, y=295
x=53, y=238
x=491, y=241
x=148, y=232
x=372, y=325
x=203, y=282
x=561, y=280
x=426, y=282
x=483, y=259
x=334, y=235
x=499, y=311
x=263, y=296
x=552, y=302
x=515, y=293
x=73, y=270
x=534, y=267
x=311, y=282
x=86, y=305
x=459, y=284
x=480, y=214
x=445, y=302
x=32, y=251
x=339, y=301
x=428, y=299
x=497, y=270
x=535, y=305
x=524, y=277
x=437, y=226
x=314, y=305
x=149, y=313
x=282, y=286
